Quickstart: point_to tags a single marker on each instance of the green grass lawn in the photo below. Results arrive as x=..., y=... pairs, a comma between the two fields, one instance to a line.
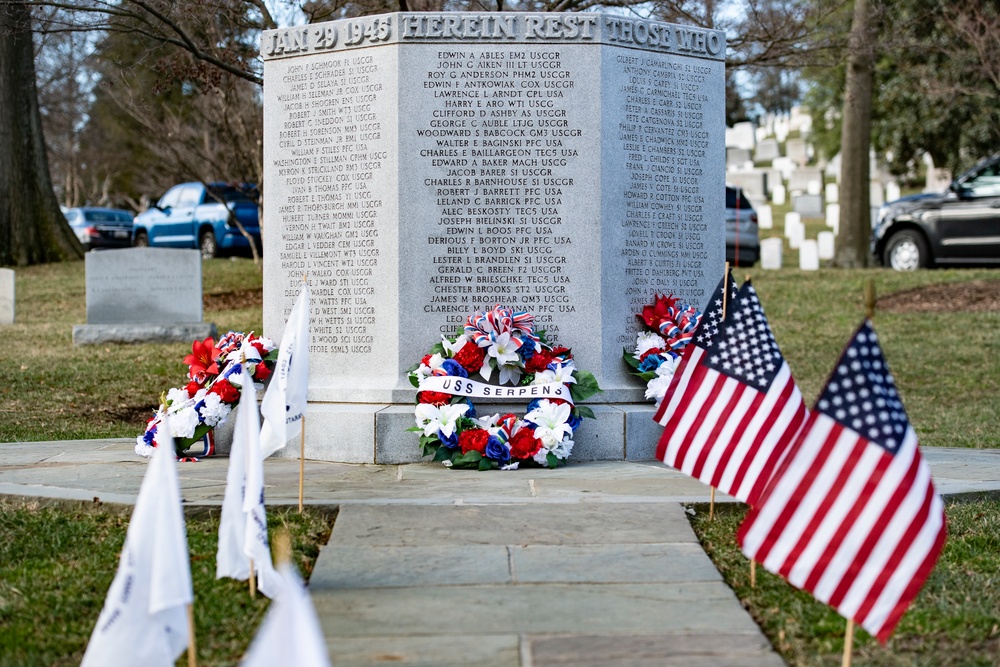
x=953, y=622
x=57, y=562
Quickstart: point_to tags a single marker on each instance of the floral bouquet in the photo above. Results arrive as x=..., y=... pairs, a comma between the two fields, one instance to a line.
x=501, y=340
x=669, y=326
x=215, y=379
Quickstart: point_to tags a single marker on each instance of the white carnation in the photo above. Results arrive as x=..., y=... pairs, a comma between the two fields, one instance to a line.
x=184, y=422
x=214, y=411
x=647, y=340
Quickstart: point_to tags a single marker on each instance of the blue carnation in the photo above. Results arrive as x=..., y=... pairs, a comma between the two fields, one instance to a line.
x=651, y=363
x=148, y=436
x=471, y=412
x=574, y=420
x=454, y=368
x=527, y=351
x=451, y=442
x=533, y=405
x=497, y=451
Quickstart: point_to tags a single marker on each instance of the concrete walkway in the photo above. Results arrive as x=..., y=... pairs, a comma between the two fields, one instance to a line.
x=591, y=564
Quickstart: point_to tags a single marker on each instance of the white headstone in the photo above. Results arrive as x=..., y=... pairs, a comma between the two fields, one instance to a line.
x=751, y=182
x=423, y=165
x=743, y=135
x=797, y=152
x=876, y=193
x=143, y=295
x=833, y=168
x=737, y=157
x=784, y=165
x=814, y=187
x=771, y=250
x=764, y=217
x=7, y=296
x=808, y=255
x=792, y=220
x=832, y=193
x=892, y=192
x=833, y=217
x=767, y=150
x=802, y=177
x=796, y=234
x=825, y=243
x=809, y=206
x=778, y=195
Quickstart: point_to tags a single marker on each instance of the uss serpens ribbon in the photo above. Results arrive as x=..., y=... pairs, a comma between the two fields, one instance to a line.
x=458, y=386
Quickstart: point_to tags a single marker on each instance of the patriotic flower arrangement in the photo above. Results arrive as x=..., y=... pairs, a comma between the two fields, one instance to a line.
x=668, y=326
x=213, y=389
x=504, y=341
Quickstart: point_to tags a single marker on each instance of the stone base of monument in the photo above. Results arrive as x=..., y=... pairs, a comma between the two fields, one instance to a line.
x=353, y=433
x=97, y=334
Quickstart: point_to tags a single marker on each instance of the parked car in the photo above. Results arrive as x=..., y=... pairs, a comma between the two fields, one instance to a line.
x=191, y=216
x=100, y=227
x=742, y=236
x=958, y=226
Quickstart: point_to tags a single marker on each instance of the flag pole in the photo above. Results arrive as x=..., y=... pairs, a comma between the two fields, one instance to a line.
x=753, y=573
x=725, y=299
x=870, y=299
x=302, y=461
x=192, y=650
x=848, y=643
x=302, y=439
x=252, y=579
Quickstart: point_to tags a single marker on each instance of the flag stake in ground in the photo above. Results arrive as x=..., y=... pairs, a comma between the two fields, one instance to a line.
x=302, y=463
x=725, y=298
x=192, y=649
x=848, y=644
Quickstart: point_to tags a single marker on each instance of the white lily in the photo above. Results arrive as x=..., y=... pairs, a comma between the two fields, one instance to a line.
x=453, y=348
x=563, y=373
x=550, y=420
x=444, y=419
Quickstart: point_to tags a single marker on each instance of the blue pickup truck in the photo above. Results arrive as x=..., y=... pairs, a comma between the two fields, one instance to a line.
x=191, y=216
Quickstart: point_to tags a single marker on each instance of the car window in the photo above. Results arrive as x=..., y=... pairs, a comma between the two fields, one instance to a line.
x=731, y=199
x=190, y=196
x=169, y=200
x=72, y=217
x=103, y=216
x=230, y=193
x=986, y=183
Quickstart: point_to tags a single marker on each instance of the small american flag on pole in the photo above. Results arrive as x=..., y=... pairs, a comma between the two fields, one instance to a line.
x=738, y=409
x=852, y=515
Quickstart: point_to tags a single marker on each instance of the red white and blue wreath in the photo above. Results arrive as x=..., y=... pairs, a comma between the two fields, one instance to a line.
x=527, y=367
x=668, y=325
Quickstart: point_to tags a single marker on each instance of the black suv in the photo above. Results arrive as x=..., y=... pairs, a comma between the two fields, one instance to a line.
x=958, y=226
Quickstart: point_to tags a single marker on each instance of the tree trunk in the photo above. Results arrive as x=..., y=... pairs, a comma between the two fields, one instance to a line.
x=855, y=141
x=32, y=228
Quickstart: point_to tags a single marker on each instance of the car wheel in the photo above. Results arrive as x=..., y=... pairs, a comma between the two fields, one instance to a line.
x=209, y=250
x=141, y=240
x=907, y=251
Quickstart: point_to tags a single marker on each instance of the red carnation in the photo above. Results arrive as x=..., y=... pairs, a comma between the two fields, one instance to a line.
x=437, y=398
x=538, y=362
x=227, y=392
x=426, y=361
x=474, y=439
x=262, y=373
x=470, y=357
x=259, y=346
x=524, y=444
x=192, y=388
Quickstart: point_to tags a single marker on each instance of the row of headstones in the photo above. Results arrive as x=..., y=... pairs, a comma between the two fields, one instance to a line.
x=7, y=293
x=811, y=251
x=749, y=136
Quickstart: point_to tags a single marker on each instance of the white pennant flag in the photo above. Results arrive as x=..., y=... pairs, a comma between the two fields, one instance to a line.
x=284, y=403
x=290, y=633
x=144, y=619
x=243, y=525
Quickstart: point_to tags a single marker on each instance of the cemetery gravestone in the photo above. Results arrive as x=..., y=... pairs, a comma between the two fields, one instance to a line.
x=143, y=295
x=752, y=182
x=771, y=250
x=795, y=150
x=737, y=157
x=742, y=136
x=808, y=206
x=808, y=255
x=833, y=217
x=825, y=244
x=423, y=165
x=767, y=150
x=765, y=220
x=800, y=178
x=7, y=296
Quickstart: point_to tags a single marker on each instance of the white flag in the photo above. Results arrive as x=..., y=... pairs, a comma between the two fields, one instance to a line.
x=284, y=403
x=144, y=619
x=243, y=525
x=290, y=633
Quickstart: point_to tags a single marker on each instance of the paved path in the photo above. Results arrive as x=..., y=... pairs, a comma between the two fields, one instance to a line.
x=592, y=564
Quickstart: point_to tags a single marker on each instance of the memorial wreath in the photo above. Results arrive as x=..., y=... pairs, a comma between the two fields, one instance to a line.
x=528, y=368
x=205, y=402
x=668, y=326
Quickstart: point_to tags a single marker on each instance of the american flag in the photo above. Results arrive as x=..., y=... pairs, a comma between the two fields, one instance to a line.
x=738, y=409
x=713, y=315
x=852, y=515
